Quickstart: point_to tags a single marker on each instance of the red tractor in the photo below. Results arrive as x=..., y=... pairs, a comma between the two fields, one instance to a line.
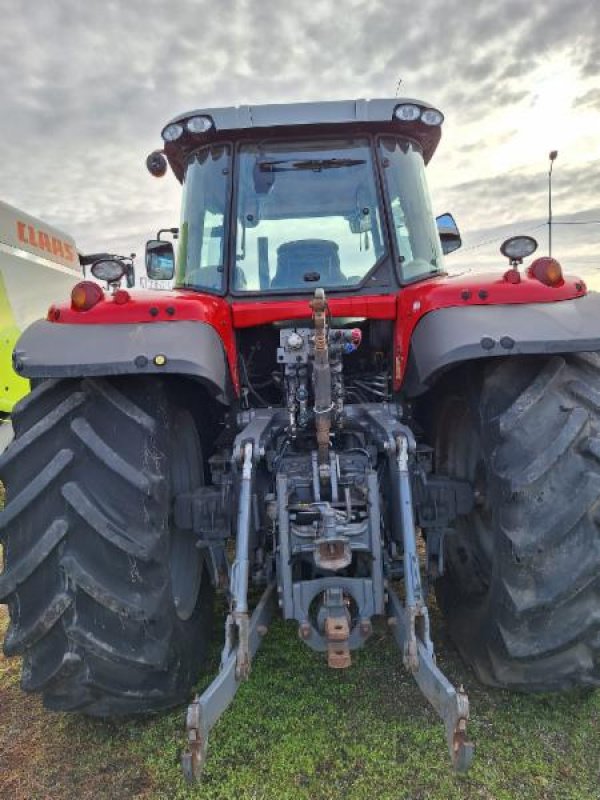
x=317, y=391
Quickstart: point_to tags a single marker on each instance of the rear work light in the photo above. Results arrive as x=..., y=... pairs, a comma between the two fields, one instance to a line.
x=172, y=132
x=409, y=112
x=431, y=116
x=547, y=271
x=85, y=295
x=199, y=124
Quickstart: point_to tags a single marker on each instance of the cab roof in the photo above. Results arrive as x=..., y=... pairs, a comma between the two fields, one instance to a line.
x=317, y=117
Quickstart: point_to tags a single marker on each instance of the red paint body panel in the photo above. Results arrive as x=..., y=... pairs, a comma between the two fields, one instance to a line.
x=185, y=305
x=148, y=306
x=246, y=315
x=407, y=306
x=444, y=292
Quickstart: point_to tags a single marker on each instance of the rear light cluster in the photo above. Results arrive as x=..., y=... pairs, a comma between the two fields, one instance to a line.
x=85, y=295
x=195, y=125
x=547, y=271
x=410, y=112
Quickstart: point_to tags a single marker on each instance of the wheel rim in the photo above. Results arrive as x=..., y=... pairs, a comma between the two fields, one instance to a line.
x=186, y=562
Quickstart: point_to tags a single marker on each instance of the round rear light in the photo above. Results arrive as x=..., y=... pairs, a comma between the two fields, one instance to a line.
x=518, y=247
x=172, y=132
x=512, y=276
x=86, y=294
x=121, y=296
x=547, y=271
x=431, y=116
x=110, y=270
x=156, y=164
x=199, y=124
x=407, y=112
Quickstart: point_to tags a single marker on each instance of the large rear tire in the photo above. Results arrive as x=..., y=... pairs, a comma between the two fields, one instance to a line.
x=521, y=591
x=110, y=606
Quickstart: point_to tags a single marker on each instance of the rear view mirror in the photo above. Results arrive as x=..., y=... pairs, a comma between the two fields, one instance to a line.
x=449, y=235
x=160, y=260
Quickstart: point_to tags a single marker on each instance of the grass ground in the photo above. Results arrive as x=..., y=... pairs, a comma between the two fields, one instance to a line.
x=299, y=730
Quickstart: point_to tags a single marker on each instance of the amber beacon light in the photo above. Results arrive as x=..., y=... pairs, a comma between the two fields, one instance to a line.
x=548, y=271
x=85, y=295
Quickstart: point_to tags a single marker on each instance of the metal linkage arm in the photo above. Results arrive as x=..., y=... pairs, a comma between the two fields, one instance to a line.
x=206, y=709
x=242, y=633
x=415, y=607
x=411, y=623
x=451, y=704
x=238, y=617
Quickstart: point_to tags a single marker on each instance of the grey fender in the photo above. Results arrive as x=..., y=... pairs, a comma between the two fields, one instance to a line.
x=56, y=350
x=450, y=336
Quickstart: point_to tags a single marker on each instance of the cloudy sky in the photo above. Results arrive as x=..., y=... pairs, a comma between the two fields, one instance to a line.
x=85, y=89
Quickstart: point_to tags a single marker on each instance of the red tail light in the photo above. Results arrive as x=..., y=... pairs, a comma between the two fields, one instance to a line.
x=121, y=296
x=85, y=294
x=547, y=270
x=512, y=276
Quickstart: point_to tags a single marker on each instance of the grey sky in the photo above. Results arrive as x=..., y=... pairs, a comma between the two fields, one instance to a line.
x=85, y=89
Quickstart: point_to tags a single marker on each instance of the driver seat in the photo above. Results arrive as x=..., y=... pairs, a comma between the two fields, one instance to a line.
x=296, y=259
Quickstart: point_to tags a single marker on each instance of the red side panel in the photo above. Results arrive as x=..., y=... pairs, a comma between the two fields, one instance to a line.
x=152, y=307
x=487, y=289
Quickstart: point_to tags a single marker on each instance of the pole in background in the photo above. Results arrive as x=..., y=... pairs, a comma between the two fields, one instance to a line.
x=552, y=157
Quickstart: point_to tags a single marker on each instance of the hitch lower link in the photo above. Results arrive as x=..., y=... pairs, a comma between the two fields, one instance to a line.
x=243, y=636
x=410, y=625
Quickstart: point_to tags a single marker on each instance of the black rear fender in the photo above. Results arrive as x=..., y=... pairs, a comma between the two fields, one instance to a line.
x=450, y=336
x=55, y=350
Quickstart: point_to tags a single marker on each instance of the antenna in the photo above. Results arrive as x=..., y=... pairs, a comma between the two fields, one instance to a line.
x=398, y=87
x=552, y=156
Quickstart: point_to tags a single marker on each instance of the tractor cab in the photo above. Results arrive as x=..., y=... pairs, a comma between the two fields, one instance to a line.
x=279, y=200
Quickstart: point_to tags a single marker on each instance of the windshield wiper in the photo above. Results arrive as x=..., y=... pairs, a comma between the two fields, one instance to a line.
x=309, y=164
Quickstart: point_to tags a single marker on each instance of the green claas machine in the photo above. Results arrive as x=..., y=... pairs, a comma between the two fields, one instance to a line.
x=316, y=410
x=37, y=263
